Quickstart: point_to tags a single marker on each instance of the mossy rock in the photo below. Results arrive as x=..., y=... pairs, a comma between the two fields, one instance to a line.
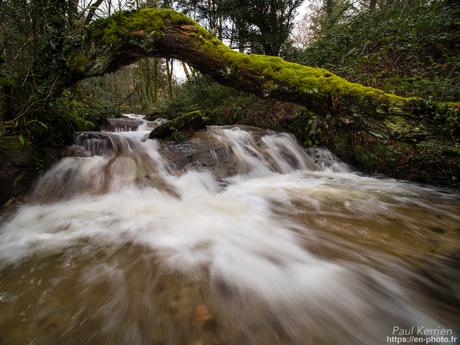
x=184, y=123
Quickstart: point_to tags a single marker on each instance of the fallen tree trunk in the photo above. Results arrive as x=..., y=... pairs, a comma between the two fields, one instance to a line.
x=124, y=38
x=361, y=113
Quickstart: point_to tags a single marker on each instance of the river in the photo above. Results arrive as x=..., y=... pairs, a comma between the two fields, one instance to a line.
x=236, y=236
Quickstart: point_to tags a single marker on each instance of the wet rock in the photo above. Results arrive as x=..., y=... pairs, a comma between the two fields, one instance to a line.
x=187, y=122
x=94, y=143
x=158, y=114
x=438, y=230
x=213, y=151
x=122, y=124
x=202, y=314
x=202, y=151
x=75, y=151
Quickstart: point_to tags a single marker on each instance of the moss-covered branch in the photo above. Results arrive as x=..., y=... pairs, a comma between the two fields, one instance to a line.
x=124, y=38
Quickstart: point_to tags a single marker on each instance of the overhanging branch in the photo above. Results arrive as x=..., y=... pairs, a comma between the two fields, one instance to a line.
x=128, y=36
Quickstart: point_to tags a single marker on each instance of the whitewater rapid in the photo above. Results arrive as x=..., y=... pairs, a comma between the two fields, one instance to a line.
x=280, y=245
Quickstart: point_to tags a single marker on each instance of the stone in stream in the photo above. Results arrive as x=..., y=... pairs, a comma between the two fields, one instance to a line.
x=190, y=121
x=95, y=143
x=122, y=124
x=230, y=150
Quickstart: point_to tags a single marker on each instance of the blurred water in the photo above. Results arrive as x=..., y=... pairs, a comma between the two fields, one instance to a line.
x=237, y=236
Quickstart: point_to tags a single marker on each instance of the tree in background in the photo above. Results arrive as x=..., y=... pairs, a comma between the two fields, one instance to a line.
x=210, y=13
x=257, y=25
x=266, y=25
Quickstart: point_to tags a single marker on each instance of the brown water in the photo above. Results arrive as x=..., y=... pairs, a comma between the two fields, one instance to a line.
x=237, y=236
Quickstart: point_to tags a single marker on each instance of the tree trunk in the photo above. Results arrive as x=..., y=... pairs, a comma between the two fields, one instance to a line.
x=93, y=9
x=186, y=71
x=385, y=118
x=72, y=12
x=143, y=85
x=156, y=76
x=169, y=74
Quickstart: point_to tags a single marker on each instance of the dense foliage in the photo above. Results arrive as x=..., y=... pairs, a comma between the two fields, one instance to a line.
x=410, y=48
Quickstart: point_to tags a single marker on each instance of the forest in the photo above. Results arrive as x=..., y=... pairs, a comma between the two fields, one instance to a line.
x=223, y=171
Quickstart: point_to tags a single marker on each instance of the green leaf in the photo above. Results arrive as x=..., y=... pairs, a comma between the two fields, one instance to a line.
x=22, y=140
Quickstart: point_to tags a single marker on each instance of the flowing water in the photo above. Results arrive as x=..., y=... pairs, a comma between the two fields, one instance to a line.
x=236, y=236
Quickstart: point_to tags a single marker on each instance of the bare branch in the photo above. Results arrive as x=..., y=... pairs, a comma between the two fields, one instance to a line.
x=92, y=11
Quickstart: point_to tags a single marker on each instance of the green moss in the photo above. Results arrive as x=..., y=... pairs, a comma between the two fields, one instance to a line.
x=177, y=136
x=79, y=63
x=187, y=122
x=432, y=148
x=398, y=125
x=193, y=114
x=146, y=23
